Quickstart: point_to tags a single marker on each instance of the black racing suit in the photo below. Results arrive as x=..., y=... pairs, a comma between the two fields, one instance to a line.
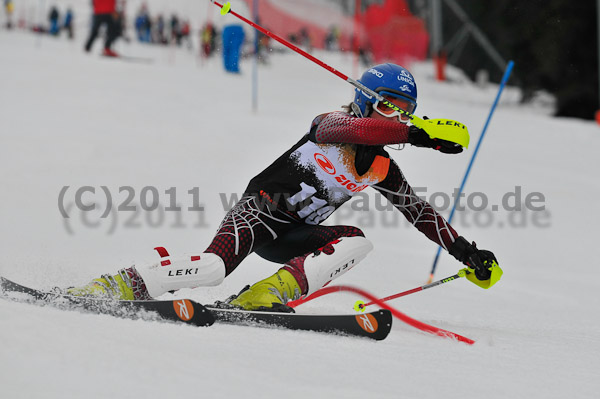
x=280, y=213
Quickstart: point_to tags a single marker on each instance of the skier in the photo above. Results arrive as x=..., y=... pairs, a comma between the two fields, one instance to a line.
x=279, y=216
x=105, y=13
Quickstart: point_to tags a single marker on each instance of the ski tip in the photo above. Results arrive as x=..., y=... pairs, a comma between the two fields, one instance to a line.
x=376, y=324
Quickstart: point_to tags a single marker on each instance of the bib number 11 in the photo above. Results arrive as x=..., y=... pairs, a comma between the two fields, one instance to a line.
x=316, y=211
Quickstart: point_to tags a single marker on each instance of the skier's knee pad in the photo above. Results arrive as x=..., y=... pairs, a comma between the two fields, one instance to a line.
x=333, y=260
x=187, y=271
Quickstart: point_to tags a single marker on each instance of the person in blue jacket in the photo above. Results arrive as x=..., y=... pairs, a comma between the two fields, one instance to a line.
x=68, y=23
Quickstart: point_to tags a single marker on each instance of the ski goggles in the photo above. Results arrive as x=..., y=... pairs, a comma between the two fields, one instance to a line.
x=404, y=103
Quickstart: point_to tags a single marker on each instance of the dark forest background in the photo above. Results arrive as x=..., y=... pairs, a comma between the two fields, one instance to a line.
x=554, y=44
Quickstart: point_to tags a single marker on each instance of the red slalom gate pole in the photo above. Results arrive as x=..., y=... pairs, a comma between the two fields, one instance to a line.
x=399, y=315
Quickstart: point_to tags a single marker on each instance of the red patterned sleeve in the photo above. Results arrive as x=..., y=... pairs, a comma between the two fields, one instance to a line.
x=418, y=211
x=339, y=127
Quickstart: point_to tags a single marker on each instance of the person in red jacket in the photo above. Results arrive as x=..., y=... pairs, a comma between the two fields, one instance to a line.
x=105, y=13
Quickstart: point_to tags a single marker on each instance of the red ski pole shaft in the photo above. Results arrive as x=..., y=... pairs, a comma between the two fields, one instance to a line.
x=328, y=290
x=424, y=287
x=227, y=10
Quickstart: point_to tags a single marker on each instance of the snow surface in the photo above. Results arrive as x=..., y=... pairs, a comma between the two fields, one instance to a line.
x=73, y=119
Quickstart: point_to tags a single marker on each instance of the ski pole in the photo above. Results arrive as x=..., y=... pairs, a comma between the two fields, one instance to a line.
x=226, y=9
x=507, y=72
x=360, y=306
x=436, y=128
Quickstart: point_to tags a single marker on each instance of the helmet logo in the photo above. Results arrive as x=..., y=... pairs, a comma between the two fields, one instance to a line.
x=376, y=72
x=407, y=79
x=325, y=164
x=405, y=88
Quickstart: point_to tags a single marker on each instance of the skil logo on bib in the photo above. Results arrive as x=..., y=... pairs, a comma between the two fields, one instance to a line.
x=325, y=164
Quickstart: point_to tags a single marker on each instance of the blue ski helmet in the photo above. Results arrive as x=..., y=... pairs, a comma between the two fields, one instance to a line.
x=386, y=79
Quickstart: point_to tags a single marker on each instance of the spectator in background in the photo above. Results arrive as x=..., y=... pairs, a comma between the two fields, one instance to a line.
x=185, y=33
x=233, y=38
x=175, y=30
x=208, y=38
x=53, y=17
x=148, y=29
x=120, y=25
x=68, y=23
x=331, y=40
x=9, y=8
x=264, y=48
x=159, y=30
x=293, y=38
x=143, y=25
x=304, y=39
x=104, y=14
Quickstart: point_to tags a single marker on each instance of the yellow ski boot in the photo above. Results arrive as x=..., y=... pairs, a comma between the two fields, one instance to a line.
x=270, y=294
x=125, y=285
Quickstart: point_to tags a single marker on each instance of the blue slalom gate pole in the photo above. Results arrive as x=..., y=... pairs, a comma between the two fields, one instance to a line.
x=255, y=61
x=507, y=72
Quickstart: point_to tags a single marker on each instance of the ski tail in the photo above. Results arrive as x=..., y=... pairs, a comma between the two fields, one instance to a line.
x=179, y=310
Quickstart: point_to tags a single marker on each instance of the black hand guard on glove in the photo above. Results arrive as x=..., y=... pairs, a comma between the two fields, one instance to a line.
x=479, y=260
x=420, y=138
